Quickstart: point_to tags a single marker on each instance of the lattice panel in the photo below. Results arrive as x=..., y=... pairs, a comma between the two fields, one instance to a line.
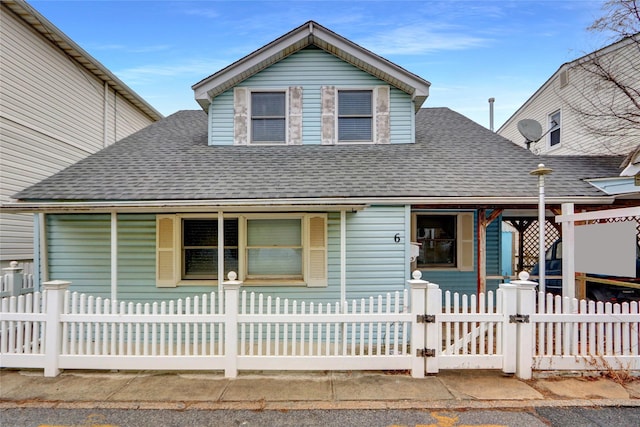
x=531, y=242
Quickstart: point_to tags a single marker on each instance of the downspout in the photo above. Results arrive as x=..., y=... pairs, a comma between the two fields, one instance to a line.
x=43, y=269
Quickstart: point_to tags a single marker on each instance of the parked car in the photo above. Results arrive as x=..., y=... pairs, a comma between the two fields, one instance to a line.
x=594, y=290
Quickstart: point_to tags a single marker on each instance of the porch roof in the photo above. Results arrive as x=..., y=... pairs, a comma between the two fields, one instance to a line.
x=454, y=161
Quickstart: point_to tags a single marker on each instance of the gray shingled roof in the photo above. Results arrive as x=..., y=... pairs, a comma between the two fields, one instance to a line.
x=453, y=157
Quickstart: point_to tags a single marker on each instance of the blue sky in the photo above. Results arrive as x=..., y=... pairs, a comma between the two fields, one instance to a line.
x=468, y=50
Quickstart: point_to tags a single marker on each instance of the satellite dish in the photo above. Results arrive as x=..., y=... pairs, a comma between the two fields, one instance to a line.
x=530, y=129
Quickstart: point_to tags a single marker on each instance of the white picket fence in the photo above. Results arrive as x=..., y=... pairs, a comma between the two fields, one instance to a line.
x=17, y=280
x=513, y=329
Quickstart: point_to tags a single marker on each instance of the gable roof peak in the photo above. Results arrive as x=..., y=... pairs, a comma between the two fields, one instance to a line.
x=308, y=34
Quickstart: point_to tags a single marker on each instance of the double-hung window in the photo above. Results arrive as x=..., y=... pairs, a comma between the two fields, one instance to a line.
x=445, y=240
x=288, y=249
x=554, y=127
x=274, y=248
x=355, y=115
x=199, y=252
x=268, y=117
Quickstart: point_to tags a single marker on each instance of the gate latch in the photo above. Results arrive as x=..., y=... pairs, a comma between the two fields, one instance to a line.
x=426, y=318
x=426, y=352
x=519, y=318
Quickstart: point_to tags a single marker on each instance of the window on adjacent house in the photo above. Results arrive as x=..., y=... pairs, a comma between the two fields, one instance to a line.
x=290, y=248
x=446, y=241
x=268, y=117
x=355, y=115
x=554, y=126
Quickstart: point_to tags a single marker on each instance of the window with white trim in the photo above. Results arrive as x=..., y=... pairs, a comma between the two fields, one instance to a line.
x=355, y=115
x=268, y=118
x=554, y=129
x=359, y=115
x=446, y=240
x=262, y=248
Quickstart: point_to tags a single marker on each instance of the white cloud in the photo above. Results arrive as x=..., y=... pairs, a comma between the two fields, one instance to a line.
x=410, y=40
x=194, y=69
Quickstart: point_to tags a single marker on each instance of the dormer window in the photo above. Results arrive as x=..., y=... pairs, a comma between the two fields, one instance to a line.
x=355, y=116
x=268, y=117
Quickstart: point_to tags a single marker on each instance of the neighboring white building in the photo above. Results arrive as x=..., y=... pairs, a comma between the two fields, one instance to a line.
x=554, y=105
x=57, y=106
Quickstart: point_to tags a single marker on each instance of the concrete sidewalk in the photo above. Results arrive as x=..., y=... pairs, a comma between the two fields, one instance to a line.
x=289, y=391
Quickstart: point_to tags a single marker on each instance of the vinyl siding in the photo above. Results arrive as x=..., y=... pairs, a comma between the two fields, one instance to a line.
x=311, y=69
x=79, y=248
x=51, y=116
x=551, y=97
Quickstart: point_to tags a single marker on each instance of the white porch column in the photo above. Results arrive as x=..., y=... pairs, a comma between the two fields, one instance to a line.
x=343, y=258
x=568, y=253
x=220, y=257
x=114, y=256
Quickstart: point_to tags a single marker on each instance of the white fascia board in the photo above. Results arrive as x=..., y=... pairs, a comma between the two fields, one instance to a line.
x=303, y=36
x=306, y=204
x=616, y=185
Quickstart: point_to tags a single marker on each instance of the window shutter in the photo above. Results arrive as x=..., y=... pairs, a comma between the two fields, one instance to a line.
x=295, y=115
x=383, y=126
x=240, y=115
x=328, y=100
x=317, y=251
x=465, y=241
x=165, y=251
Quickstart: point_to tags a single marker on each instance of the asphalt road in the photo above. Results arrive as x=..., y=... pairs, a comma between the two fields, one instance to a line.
x=533, y=417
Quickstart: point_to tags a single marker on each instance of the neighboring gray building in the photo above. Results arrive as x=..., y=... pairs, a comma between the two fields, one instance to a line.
x=57, y=106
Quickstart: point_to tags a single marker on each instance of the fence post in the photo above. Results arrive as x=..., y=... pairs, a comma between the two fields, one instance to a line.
x=525, y=336
x=231, y=290
x=509, y=330
x=13, y=275
x=418, y=332
x=53, y=329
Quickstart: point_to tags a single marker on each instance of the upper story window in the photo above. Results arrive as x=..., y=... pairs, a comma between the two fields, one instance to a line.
x=268, y=117
x=355, y=115
x=554, y=126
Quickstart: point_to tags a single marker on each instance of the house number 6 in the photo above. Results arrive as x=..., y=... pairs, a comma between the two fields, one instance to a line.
x=396, y=238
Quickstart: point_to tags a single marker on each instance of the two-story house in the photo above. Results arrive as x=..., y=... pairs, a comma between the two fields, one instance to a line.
x=57, y=105
x=312, y=171
x=581, y=109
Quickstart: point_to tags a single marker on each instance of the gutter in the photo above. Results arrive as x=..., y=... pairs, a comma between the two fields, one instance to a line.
x=302, y=204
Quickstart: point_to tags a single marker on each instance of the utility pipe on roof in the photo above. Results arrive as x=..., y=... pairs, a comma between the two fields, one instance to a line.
x=491, y=101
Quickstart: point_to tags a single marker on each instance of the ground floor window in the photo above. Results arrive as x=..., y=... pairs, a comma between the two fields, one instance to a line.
x=445, y=240
x=262, y=248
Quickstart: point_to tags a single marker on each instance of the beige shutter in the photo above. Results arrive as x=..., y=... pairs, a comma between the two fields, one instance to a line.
x=383, y=126
x=295, y=115
x=317, y=251
x=328, y=100
x=240, y=115
x=465, y=241
x=166, y=274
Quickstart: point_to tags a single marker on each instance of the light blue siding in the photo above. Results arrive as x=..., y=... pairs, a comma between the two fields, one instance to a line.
x=79, y=248
x=311, y=69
